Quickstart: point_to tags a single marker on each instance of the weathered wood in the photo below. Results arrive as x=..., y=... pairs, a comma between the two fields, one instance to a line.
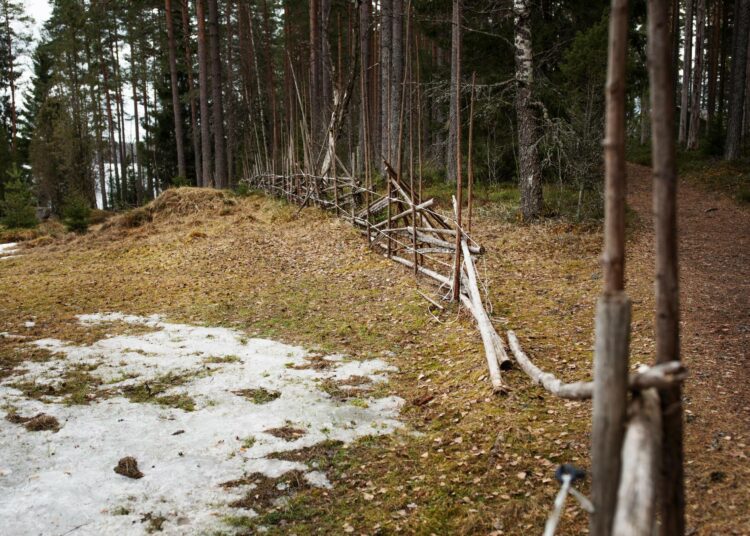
x=637, y=498
x=421, y=206
x=486, y=329
x=422, y=270
x=658, y=376
x=572, y=391
x=375, y=207
x=609, y=403
x=493, y=362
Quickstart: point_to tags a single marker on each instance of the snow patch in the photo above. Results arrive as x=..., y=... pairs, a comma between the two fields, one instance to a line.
x=51, y=483
x=8, y=250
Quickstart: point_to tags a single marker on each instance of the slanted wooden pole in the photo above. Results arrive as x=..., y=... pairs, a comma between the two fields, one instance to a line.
x=613, y=308
x=672, y=493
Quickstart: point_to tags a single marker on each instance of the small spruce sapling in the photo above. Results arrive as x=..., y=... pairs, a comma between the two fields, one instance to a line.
x=17, y=208
x=77, y=214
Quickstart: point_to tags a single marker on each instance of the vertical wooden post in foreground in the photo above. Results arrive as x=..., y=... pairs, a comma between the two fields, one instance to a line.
x=672, y=493
x=459, y=201
x=613, y=308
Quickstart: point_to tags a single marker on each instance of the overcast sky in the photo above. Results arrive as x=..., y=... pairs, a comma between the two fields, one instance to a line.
x=39, y=10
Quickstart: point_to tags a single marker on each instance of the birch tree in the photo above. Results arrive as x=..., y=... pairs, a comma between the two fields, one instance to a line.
x=529, y=167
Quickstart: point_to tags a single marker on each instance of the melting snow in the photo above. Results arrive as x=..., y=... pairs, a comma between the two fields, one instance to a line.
x=52, y=483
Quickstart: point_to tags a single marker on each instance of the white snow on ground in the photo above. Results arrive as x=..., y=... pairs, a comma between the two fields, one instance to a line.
x=8, y=250
x=52, y=483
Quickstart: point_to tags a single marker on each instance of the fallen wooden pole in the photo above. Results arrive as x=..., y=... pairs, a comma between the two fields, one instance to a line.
x=659, y=376
x=486, y=329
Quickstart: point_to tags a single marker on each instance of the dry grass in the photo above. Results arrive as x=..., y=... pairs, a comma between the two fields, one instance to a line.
x=480, y=464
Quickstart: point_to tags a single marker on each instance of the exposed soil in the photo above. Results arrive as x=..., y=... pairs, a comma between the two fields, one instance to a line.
x=315, y=362
x=287, y=433
x=266, y=491
x=714, y=254
x=38, y=423
x=128, y=466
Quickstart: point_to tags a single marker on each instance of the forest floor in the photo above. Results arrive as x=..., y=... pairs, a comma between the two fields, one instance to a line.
x=464, y=461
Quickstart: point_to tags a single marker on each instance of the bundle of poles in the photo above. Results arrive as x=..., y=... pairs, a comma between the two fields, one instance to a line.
x=401, y=226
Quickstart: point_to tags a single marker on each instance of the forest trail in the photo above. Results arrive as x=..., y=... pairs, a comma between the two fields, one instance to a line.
x=714, y=254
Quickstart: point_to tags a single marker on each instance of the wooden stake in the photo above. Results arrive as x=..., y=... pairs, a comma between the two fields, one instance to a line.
x=610, y=399
x=613, y=309
x=672, y=492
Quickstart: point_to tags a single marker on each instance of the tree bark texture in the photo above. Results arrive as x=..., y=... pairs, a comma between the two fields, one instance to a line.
x=217, y=102
x=737, y=88
x=530, y=172
x=686, y=70
x=200, y=9
x=176, y=106
x=695, y=95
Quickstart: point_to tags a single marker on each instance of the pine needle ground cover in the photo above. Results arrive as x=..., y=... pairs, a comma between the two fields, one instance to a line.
x=465, y=462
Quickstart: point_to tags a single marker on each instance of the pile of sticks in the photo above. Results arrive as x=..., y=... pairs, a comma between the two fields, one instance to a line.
x=401, y=226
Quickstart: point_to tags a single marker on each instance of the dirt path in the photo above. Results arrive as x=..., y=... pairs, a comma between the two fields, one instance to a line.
x=715, y=307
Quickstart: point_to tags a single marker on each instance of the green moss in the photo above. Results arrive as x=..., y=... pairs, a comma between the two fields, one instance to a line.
x=76, y=387
x=152, y=392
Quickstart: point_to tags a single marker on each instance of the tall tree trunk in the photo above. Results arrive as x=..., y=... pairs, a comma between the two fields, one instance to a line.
x=386, y=33
x=12, y=82
x=119, y=105
x=453, y=126
x=737, y=92
x=271, y=79
x=364, y=50
x=200, y=10
x=672, y=495
x=695, y=97
x=111, y=131
x=136, y=120
x=723, y=59
x=397, y=77
x=194, y=132
x=325, y=60
x=147, y=144
x=686, y=70
x=231, y=122
x=675, y=41
x=217, y=103
x=316, y=100
x=530, y=173
x=714, y=47
x=746, y=123
x=176, y=105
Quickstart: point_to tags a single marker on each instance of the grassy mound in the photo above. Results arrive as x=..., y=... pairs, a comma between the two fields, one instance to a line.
x=175, y=202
